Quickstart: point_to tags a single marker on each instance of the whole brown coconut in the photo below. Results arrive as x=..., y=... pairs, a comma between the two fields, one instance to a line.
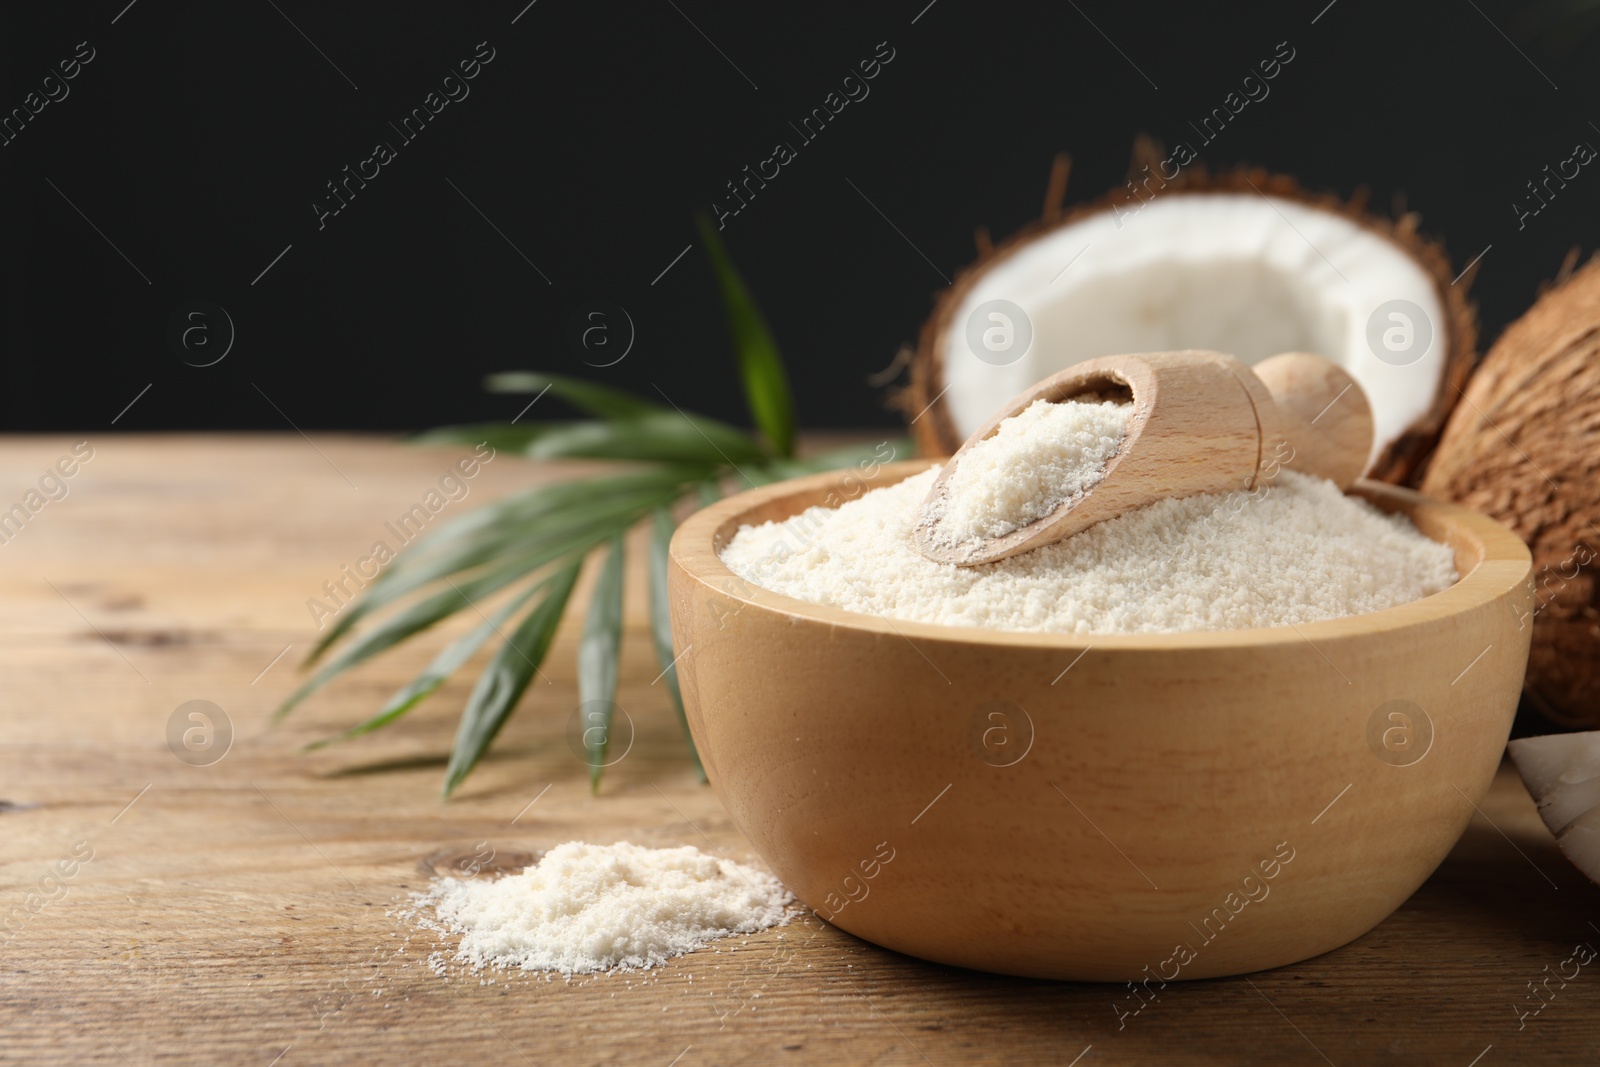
x=930, y=403
x=1524, y=446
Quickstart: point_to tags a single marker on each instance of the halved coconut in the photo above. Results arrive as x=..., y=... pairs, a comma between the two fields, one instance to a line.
x=1562, y=773
x=1245, y=263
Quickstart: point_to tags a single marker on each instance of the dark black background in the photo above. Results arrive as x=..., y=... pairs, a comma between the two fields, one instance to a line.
x=200, y=135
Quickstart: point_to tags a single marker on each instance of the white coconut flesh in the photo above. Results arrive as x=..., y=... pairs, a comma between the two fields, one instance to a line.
x=1562, y=773
x=1249, y=275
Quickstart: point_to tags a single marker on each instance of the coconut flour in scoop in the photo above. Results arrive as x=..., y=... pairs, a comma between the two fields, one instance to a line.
x=1037, y=460
x=1292, y=551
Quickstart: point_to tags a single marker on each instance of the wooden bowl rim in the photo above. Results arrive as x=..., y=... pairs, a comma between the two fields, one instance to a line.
x=1504, y=564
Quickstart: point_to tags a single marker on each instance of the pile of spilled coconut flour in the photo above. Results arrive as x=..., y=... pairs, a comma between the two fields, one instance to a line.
x=1293, y=550
x=587, y=908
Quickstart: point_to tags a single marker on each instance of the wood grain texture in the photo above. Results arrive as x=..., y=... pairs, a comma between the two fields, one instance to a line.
x=236, y=911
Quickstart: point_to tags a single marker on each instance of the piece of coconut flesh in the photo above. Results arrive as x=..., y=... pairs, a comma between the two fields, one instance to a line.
x=1249, y=275
x=1562, y=773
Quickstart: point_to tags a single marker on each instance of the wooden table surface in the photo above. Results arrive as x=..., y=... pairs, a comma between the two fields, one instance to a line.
x=246, y=912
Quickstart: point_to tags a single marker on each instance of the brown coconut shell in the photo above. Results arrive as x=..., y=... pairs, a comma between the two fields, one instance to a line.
x=1524, y=446
x=921, y=400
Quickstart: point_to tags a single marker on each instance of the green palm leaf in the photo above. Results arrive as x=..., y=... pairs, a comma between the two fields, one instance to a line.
x=661, y=620
x=538, y=525
x=520, y=538
x=446, y=663
x=431, y=609
x=411, y=621
x=662, y=436
x=598, y=654
x=503, y=681
x=766, y=384
x=596, y=399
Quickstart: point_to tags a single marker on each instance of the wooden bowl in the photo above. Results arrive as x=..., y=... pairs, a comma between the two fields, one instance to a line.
x=1140, y=807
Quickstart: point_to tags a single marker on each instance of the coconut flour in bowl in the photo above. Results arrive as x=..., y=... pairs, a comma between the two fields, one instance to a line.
x=1290, y=552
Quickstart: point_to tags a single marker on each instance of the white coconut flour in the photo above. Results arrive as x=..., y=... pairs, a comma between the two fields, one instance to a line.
x=584, y=908
x=1299, y=551
x=1037, y=460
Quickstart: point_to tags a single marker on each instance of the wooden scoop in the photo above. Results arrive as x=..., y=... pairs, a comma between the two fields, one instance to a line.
x=1203, y=422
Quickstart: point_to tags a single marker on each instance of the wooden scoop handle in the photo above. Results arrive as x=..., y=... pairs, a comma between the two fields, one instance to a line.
x=1323, y=423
